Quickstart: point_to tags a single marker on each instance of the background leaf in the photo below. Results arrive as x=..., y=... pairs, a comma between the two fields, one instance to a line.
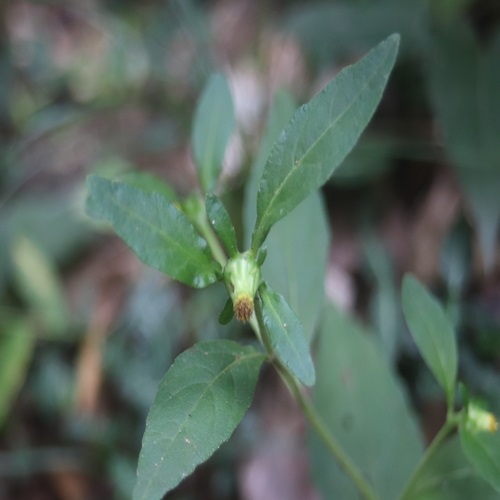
x=432, y=331
x=199, y=403
x=286, y=334
x=483, y=451
x=213, y=125
x=464, y=78
x=320, y=135
x=221, y=222
x=297, y=254
x=39, y=285
x=362, y=403
x=449, y=476
x=160, y=235
x=17, y=343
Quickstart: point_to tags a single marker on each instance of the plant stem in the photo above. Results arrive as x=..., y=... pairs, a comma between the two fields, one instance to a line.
x=315, y=420
x=449, y=426
x=208, y=233
x=328, y=439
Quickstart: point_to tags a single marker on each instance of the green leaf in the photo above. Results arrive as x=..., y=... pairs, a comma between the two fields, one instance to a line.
x=285, y=334
x=449, y=476
x=482, y=448
x=464, y=77
x=220, y=221
x=432, y=331
x=199, y=403
x=17, y=343
x=320, y=135
x=282, y=109
x=363, y=405
x=212, y=128
x=297, y=255
x=385, y=305
x=227, y=313
x=38, y=283
x=160, y=235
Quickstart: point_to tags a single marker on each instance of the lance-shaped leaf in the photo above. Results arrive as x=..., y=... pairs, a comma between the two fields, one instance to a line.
x=199, y=403
x=221, y=222
x=160, y=235
x=320, y=135
x=285, y=333
x=432, y=331
x=482, y=449
x=212, y=129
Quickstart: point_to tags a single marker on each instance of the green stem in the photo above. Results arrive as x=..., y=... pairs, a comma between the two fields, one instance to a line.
x=328, y=439
x=315, y=420
x=208, y=233
x=449, y=426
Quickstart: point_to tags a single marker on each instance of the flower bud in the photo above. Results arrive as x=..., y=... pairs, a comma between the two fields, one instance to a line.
x=480, y=419
x=242, y=277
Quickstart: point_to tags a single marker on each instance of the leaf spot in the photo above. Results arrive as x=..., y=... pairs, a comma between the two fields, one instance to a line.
x=187, y=441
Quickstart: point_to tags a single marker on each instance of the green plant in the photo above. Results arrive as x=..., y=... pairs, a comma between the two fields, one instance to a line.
x=209, y=387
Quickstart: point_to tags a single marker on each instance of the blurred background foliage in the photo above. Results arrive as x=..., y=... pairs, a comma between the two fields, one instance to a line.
x=87, y=332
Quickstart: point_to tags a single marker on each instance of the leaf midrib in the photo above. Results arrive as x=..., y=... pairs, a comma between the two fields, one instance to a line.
x=197, y=257
x=297, y=162
x=287, y=335
x=238, y=359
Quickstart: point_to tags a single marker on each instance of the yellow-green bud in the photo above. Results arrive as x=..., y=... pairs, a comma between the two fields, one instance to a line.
x=242, y=277
x=480, y=419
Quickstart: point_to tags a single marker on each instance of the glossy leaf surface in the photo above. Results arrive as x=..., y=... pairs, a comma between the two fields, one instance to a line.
x=361, y=401
x=160, y=235
x=212, y=128
x=286, y=334
x=320, y=135
x=199, y=403
x=432, y=331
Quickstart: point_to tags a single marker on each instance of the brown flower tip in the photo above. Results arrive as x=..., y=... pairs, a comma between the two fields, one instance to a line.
x=243, y=307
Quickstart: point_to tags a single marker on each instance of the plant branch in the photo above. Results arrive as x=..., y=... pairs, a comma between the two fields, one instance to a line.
x=208, y=233
x=315, y=420
x=449, y=426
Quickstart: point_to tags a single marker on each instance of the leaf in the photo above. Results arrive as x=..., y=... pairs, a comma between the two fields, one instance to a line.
x=362, y=403
x=39, y=285
x=282, y=109
x=483, y=451
x=199, y=403
x=220, y=221
x=297, y=254
x=385, y=305
x=432, y=332
x=449, y=476
x=464, y=78
x=285, y=334
x=160, y=235
x=17, y=343
x=212, y=128
x=320, y=135
x=227, y=313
